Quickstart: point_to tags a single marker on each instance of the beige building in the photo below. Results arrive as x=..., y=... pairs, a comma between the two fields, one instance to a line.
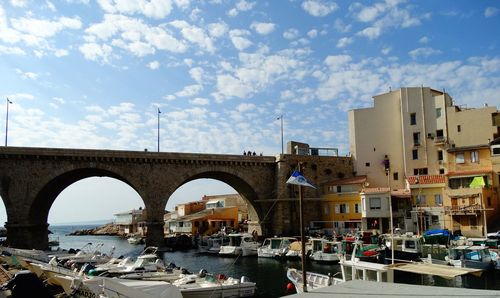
x=410, y=135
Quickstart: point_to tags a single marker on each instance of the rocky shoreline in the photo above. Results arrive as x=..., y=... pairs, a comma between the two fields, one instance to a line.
x=109, y=229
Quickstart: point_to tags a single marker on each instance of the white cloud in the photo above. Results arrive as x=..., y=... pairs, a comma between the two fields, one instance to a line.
x=490, y=12
x=341, y=27
x=182, y=4
x=20, y=96
x=319, y=8
x=336, y=62
x=153, y=65
x=245, y=107
x=27, y=75
x=238, y=39
x=44, y=28
x=197, y=74
x=263, y=28
x=217, y=30
x=200, y=101
x=132, y=35
x=18, y=3
x=423, y=40
x=423, y=52
x=189, y=91
x=344, y=41
x=291, y=33
x=11, y=50
x=241, y=5
x=386, y=50
x=96, y=52
x=370, y=32
x=312, y=33
x=195, y=35
x=156, y=9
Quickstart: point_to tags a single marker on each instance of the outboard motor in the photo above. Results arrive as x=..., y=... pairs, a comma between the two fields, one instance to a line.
x=25, y=283
x=202, y=273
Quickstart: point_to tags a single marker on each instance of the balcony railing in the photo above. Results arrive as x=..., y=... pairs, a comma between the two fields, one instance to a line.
x=439, y=140
x=463, y=209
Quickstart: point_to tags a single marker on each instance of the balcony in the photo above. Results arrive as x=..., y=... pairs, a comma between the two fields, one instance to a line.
x=473, y=209
x=439, y=140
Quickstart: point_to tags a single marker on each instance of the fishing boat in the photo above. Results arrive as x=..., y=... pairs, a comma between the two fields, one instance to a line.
x=135, y=239
x=407, y=248
x=325, y=251
x=466, y=256
x=295, y=250
x=275, y=247
x=240, y=244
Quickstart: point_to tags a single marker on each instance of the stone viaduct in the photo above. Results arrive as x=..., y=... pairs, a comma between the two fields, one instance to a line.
x=32, y=178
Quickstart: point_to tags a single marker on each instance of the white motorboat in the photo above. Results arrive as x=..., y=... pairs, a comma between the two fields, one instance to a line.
x=79, y=287
x=207, y=285
x=134, y=239
x=275, y=247
x=314, y=280
x=466, y=256
x=212, y=244
x=240, y=244
x=295, y=250
x=325, y=251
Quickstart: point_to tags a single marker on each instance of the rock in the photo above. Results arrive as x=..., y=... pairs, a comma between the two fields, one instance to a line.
x=109, y=229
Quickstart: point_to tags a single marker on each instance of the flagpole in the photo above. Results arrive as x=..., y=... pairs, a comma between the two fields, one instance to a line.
x=302, y=238
x=7, y=121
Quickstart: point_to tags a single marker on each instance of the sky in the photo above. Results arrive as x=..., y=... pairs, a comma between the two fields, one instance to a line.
x=94, y=74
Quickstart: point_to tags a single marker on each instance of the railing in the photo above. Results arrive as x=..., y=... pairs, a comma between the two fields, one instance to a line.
x=463, y=209
x=439, y=139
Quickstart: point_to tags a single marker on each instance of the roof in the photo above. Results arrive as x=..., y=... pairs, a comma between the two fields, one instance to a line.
x=426, y=179
x=401, y=193
x=375, y=190
x=470, y=172
x=202, y=214
x=347, y=181
x=467, y=148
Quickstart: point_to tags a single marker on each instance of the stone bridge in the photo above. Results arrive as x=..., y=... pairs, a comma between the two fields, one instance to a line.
x=32, y=178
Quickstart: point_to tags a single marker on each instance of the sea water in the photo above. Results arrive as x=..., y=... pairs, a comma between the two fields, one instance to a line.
x=269, y=274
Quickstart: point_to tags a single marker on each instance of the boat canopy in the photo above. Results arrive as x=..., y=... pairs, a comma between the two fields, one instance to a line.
x=434, y=269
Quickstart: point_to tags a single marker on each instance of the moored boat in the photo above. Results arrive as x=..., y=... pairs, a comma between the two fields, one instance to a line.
x=240, y=244
x=325, y=251
x=275, y=247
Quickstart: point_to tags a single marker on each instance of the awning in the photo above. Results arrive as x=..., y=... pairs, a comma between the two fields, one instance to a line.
x=477, y=182
x=444, y=271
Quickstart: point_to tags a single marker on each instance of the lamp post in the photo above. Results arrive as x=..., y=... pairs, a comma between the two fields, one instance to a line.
x=159, y=112
x=7, y=121
x=282, y=147
x=388, y=174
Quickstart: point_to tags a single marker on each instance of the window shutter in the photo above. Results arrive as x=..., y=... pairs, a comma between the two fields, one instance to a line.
x=337, y=208
x=346, y=208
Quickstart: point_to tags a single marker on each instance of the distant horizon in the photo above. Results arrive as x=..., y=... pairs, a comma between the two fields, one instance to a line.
x=89, y=222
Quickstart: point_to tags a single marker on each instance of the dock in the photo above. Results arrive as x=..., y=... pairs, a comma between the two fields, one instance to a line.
x=370, y=289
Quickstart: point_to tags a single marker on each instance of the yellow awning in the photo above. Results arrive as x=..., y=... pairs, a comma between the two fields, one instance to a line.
x=477, y=182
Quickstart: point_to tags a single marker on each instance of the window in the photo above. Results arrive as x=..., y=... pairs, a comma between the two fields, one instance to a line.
x=341, y=208
x=367, y=164
x=435, y=219
x=357, y=209
x=413, y=119
x=422, y=171
x=489, y=201
x=438, y=200
x=416, y=138
x=440, y=155
x=395, y=176
x=339, y=188
x=472, y=221
x=326, y=209
x=459, y=128
x=438, y=112
x=441, y=171
x=415, y=154
x=474, y=156
x=496, y=150
x=459, y=158
x=375, y=203
x=421, y=200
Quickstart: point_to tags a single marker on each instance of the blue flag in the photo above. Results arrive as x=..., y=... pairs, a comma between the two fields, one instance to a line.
x=298, y=179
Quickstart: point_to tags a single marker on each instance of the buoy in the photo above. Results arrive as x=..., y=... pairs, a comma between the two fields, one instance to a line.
x=290, y=287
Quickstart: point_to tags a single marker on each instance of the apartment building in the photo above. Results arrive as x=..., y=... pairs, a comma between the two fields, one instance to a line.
x=411, y=139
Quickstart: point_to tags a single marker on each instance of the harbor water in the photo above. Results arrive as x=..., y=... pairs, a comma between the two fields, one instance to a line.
x=269, y=274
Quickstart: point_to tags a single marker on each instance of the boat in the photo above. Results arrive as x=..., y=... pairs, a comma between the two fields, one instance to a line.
x=325, y=251
x=314, y=280
x=205, y=285
x=240, y=244
x=275, y=247
x=211, y=244
x=135, y=239
x=407, y=248
x=79, y=287
x=465, y=256
x=143, y=263
x=295, y=250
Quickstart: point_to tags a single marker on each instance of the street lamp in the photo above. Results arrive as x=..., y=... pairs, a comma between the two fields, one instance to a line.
x=159, y=112
x=282, y=147
x=7, y=121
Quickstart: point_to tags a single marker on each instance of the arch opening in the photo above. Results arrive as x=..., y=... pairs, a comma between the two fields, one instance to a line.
x=3, y=220
x=209, y=202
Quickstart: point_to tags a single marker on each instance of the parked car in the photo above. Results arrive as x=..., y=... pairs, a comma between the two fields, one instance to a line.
x=495, y=235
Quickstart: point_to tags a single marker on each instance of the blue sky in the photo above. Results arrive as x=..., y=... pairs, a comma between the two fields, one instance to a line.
x=92, y=74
